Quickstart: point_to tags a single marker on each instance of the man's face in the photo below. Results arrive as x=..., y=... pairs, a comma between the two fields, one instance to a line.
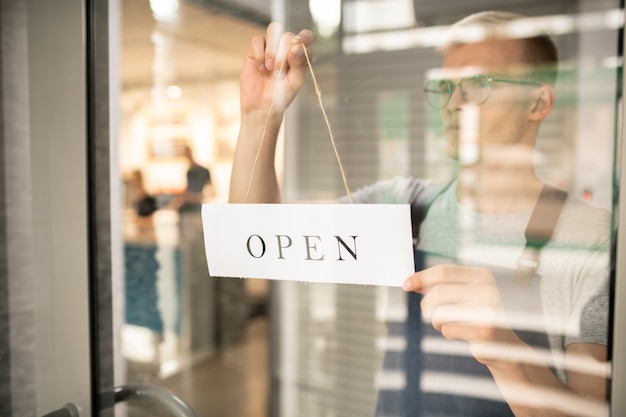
x=503, y=118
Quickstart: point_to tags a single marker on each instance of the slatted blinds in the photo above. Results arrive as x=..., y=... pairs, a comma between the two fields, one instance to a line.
x=327, y=340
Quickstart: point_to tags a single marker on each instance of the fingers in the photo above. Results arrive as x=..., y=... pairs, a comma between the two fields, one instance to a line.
x=275, y=69
x=422, y=281
x=471, y=315
x=256, y=52
x=279, y=51
x=264, y=49
x=300, y=42
x=444, y=295
x=460, y=302
x=274, y=35
x=291, y=51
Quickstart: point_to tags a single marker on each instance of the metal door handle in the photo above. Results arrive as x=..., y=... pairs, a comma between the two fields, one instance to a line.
x=69, y=410
x=157, y=395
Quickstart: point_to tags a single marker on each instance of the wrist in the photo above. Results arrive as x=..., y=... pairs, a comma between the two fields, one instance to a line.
x=505, y=352
x=257, y=123
x=260, y=117
x=509, y=360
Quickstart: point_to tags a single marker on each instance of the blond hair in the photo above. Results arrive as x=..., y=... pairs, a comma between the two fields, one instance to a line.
x=539, y=52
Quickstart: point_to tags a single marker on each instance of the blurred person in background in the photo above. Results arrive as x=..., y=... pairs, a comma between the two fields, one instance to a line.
x=199, y=187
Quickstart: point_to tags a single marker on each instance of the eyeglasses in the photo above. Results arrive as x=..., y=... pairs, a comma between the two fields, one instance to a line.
x=474, y=90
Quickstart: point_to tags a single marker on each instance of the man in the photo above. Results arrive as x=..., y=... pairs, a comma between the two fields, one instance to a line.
x=493, y=97
x=199, y=185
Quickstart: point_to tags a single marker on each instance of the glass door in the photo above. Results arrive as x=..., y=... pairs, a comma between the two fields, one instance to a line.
x=120, y=118
x=288, y=348
x=204, y=339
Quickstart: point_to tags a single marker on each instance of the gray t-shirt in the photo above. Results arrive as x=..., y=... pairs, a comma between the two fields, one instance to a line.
x=573, y=273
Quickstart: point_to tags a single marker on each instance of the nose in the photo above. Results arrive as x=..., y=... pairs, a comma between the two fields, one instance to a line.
x=456, y=99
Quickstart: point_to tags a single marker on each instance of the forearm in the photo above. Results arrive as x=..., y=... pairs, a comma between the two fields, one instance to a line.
x=257, y=136
x=532, y=390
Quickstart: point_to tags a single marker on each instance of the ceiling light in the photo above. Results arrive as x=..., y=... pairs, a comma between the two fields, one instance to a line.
x=164, y=9
x=174, y=92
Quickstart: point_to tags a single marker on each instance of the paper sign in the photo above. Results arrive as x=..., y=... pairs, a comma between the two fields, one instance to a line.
x=333, y=243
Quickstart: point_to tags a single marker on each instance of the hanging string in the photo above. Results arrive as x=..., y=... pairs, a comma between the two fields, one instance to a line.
x=330, y=132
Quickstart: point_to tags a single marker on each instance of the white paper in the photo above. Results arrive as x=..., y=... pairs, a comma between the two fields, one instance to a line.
x=333, y=243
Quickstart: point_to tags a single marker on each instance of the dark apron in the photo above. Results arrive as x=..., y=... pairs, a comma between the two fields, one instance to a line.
x=519, y=290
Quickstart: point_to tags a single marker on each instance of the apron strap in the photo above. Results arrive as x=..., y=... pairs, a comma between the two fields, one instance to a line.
x=539, y=231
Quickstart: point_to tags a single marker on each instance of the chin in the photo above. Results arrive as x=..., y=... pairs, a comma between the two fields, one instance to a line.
x=452, y=148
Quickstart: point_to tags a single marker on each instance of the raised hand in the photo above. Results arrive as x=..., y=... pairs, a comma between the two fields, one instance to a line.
x=274, y=70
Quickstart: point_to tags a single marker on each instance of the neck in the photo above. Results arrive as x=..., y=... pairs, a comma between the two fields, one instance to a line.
x=498, y=190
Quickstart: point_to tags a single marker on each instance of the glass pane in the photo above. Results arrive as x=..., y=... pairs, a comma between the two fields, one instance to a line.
x=377, y=351
x=202, y=338
x=506, y=296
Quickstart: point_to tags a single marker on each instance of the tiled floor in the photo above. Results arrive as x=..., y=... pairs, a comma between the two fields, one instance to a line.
x=232, y=383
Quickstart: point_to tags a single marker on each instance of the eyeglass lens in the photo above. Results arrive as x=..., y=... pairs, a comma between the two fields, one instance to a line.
x=474, y=90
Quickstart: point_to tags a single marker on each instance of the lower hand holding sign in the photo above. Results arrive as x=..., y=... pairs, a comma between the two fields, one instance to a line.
x=465, y=303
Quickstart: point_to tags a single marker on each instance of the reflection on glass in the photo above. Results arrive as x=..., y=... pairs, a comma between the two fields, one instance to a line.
x=454, y=349
x=326, y=16
x=460, y=349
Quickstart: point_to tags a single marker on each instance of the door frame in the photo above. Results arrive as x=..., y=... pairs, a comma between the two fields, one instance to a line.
x=69, y=130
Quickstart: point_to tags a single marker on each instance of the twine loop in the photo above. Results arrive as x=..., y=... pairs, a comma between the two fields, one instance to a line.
x=330, y=132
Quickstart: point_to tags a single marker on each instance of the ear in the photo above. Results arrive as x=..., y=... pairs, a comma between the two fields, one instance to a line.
x=543, y=103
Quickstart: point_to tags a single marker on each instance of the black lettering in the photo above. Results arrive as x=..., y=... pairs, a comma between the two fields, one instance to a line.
x=280, y=246
x=309, y=246
x=341, y=243
x=262, y=246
